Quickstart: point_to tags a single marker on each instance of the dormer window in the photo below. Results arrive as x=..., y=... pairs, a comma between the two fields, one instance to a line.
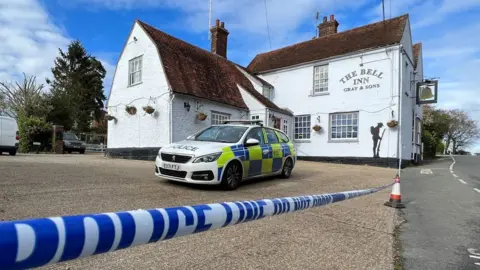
x=268, y=92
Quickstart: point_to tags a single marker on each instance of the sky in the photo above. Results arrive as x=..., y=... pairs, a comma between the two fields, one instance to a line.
x=33, y=31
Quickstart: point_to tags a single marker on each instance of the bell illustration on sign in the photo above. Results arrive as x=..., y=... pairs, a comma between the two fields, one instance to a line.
x=426, y=93
x=376, y=138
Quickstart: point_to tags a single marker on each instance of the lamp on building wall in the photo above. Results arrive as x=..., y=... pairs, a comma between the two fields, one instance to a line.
x=186, y=105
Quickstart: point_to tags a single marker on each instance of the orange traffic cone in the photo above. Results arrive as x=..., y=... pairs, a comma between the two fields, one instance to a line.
x=395, y=196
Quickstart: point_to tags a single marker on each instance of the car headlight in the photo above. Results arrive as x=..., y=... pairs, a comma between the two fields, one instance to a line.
x=83, y=144
x=207, y=158
x=67, y=142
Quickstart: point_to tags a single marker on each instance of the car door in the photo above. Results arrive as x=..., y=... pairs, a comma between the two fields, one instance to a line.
x=275, y=159
x=252, y=164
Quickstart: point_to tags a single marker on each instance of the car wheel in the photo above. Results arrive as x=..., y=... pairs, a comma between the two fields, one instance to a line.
x=287, y=168
x=69, y=151
x=232, y=176
x=82, y=151
x=12, y=153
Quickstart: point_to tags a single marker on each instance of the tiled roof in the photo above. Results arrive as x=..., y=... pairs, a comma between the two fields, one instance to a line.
x=417, y=48
x=262, y=81
x=370, y=36
x=193, y=71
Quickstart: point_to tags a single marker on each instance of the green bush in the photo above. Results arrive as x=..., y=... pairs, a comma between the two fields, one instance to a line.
x=429, y=144
x=34, y=129
x=440, y=146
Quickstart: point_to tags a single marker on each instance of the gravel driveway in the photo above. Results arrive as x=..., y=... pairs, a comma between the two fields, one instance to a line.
x=355, y=234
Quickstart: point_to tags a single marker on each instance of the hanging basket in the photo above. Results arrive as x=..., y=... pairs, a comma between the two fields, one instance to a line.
x=201, y=116
x=149, y=109
x=317, y=128
x=109, y=117
x=392, y=123
x=131, y=110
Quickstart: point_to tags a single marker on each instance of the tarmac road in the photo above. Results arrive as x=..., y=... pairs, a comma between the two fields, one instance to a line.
x=354, y=234
x=442, y=229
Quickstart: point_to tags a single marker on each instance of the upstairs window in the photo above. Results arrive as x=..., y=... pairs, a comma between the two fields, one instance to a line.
x=320, y=79
x=268, y=92
x=135, y=71
x=285, y=126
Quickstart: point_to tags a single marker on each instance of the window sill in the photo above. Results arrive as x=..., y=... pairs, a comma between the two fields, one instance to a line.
x=135, y=84
x=319, y=94
x=343, y=141
x=302, y=141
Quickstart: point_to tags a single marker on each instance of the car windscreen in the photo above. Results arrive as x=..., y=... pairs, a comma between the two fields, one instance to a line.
x=227, y=134
x=70, y=137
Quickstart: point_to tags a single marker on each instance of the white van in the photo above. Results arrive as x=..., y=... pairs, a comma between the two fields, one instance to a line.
x=9, y=137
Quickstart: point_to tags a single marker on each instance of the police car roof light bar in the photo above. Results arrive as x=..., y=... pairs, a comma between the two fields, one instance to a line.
x=258, y=122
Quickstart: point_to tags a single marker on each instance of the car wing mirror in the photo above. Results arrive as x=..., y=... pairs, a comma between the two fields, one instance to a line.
x=252, y=141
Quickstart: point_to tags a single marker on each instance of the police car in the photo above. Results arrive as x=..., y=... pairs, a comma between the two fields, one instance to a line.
x=226, y=154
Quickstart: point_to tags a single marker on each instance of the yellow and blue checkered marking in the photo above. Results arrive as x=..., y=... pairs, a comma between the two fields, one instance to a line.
x=255, y=161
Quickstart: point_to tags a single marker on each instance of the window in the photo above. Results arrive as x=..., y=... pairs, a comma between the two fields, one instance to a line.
x=302, y=127
x=283, y=137
x=268, y=92
x=225, y=133
x=271, y=136
x=219, y=118
x=256, y=133
x=135, y=71
x=320, y=79
x=285, y=126
x=255, y=117
x=344, y=126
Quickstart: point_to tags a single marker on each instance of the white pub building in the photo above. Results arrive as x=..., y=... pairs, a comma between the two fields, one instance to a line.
x=346, y=97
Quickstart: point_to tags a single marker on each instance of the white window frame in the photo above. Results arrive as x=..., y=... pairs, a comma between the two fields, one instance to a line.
x=135, y=70
x=219, y=117
x=320, y=79
x=285, y=126
x=302, y=122
x=341, y=121
x=255, y=117
x=267, y=92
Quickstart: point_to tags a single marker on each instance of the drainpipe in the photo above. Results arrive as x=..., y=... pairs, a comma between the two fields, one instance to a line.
x=400, y=97
x=170, y=130
x=266, y=117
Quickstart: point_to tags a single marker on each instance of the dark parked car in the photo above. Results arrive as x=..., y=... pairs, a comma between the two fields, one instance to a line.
x=71, y=143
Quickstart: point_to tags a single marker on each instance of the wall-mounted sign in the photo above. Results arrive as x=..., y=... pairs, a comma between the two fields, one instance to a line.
x=361, y=79
x=427, y=92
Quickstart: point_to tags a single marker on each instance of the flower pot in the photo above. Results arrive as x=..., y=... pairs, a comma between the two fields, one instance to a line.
x=149, y=109
x=392, y=123
x=202, y=116
x=317, y=127
x=131, y=110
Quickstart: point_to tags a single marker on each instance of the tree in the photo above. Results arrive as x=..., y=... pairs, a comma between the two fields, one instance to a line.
x=24, y=98
x=435, y=126
x=462, y=130
x=77, y=88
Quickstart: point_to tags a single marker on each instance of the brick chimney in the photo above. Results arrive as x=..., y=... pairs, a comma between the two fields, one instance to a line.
x=328, y=27
x=219, y=39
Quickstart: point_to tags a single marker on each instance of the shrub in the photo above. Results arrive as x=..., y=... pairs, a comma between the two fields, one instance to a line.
x=34, y=129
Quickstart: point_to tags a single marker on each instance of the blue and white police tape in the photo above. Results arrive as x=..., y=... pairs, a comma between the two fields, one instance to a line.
x=38, y=242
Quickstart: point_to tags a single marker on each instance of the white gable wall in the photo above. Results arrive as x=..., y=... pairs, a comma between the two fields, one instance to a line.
x=141, y=129
x=256, y=108
x=409, y=108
